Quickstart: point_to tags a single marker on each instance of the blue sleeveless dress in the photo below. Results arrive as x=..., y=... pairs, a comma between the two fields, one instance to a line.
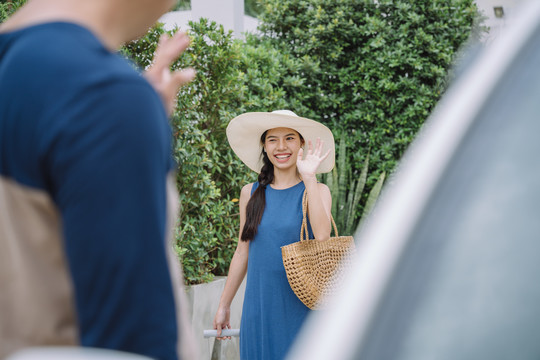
x=272, y=314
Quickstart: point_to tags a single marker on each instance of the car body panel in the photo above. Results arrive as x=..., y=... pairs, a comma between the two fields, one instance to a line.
x=385, y=243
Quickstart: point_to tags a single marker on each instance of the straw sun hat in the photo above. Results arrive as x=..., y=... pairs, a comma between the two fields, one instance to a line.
x=244, y=134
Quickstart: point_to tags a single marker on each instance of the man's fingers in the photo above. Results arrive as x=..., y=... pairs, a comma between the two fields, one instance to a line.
x=159, y=74
x=182, y=77
x=169, y=49
x=170, y=91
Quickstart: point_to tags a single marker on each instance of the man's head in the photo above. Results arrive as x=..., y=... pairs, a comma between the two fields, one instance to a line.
x=143, y=13
x=113, y=21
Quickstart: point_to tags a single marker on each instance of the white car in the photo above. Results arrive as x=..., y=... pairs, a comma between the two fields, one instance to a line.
x=449, y=262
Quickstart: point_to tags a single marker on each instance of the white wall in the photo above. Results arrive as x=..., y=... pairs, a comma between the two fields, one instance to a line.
x=497, y=25
x=204, y=300
x=229, y=13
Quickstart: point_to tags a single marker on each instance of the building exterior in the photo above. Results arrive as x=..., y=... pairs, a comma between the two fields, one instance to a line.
x=229, y=13
x=498, y=14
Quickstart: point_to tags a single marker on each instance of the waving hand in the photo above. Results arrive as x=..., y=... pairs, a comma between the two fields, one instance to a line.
x=159, y=74
x=308, y=167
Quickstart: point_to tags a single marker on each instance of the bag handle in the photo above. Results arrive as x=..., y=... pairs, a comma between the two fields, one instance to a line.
x=304, y=228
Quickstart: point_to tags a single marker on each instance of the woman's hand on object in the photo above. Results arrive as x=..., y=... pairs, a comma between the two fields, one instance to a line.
x=222, y=321
x=167, y=82
x=308, y=167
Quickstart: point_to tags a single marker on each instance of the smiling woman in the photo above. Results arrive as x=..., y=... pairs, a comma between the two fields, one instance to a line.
x=282, y=146
x=287, y=151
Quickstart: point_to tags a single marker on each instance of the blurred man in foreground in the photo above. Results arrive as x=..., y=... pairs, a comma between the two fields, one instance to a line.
x=86, y=186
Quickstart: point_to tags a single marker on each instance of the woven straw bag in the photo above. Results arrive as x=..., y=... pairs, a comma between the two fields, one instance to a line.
x=315, y=268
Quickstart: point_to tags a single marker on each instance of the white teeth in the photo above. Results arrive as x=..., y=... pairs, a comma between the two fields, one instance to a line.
x=282, y=156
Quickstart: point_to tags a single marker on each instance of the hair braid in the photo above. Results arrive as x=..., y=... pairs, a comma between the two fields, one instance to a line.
x=256, y=204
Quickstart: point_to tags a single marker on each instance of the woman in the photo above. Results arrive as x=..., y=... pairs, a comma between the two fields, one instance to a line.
x=272, y=144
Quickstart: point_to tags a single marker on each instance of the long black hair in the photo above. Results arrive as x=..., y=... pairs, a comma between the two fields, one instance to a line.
x=257, y=202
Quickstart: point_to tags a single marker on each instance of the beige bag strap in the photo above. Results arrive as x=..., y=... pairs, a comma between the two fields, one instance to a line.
x=304, y=228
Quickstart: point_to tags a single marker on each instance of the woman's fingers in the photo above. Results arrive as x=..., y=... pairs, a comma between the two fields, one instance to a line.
x=219, y=329
x=313, y=158
x=319, y=144
x=325, y=155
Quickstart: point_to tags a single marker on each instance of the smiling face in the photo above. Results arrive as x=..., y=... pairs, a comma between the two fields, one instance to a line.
x=282, y=146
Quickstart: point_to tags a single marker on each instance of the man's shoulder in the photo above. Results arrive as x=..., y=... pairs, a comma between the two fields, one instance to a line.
x=62, y=65
x=67, y=52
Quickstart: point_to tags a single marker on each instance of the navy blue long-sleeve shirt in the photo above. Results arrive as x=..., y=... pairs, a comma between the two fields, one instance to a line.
x=85, y=152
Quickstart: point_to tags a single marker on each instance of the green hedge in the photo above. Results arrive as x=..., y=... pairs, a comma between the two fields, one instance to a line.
x=372, y=70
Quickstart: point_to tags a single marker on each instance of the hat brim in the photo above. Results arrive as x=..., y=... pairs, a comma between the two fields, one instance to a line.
x=244, y=134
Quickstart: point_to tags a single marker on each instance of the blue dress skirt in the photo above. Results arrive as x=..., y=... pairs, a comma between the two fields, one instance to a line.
x=272, y=315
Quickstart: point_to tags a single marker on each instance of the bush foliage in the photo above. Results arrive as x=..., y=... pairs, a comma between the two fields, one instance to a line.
x=372, y=69
x=7, y=8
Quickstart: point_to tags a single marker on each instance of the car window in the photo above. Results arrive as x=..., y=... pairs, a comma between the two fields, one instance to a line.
x=466, y=286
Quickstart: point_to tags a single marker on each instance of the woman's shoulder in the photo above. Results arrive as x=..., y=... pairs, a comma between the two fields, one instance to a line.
x=246, y=189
